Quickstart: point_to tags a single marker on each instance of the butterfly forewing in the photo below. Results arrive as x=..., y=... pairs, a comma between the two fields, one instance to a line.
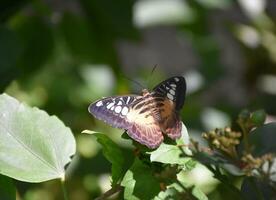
x=125, y=112
x=173, y=89
x=113, y=110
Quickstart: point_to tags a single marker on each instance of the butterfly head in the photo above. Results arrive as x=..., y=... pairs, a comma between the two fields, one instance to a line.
x=145, y=92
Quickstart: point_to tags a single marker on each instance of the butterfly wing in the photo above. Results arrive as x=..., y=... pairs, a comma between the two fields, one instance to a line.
x=144, y=127
x=125, y=112
x=146, y=117
x=173, y=89
x=170, y=96
x=113, y=110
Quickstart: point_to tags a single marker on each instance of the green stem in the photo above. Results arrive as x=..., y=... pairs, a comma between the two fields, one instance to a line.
x=245, y=138
x=64, y=191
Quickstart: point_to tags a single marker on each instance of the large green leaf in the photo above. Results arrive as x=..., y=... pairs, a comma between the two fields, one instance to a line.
x=112, y=153
x=140, y=183
x=7, y=189
x=34, y=146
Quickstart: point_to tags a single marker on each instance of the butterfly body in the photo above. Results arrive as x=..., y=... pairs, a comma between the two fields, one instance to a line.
x=148, y=116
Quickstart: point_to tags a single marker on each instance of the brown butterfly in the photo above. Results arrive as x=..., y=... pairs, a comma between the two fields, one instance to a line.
x=148, y=116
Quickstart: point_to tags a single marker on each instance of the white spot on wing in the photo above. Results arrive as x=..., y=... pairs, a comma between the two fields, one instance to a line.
x=118, y=109
x=172, y=85
x=124, y=110
x=172, y=92
x=128, y=98
x=119, y=103
x=112, y=108
x=176, y=79
x=170, y=96
x=110, y=105
x=99, y=103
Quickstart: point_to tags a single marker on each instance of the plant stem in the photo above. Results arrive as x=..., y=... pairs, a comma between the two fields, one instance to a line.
x=65, y=194
x=245, y=138
x=113, y=190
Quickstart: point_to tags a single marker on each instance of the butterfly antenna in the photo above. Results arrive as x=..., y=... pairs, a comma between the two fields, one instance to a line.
x=151, y=74
x=136, y=82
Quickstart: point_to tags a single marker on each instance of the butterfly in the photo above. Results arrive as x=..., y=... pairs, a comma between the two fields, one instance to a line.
x=147, y=117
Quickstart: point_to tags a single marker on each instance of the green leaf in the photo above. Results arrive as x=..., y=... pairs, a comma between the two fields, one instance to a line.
x=169, y=154
x=263, y=138
x=184, y=141
x=34, y=146
x=113, y=154
x=139, y=182
x=173, y=154
x=198, y=194
x=7, y=189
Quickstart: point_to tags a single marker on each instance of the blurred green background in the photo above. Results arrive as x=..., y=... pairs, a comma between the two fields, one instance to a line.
x=62, y=55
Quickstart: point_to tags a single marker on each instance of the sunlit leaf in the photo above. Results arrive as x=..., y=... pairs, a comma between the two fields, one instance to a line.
x=139, y=182
x=170, y=154
x=34, y=146
x=198, y=194
x=113, y=154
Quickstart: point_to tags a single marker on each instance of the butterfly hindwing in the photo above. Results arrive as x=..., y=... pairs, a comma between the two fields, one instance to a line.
x=144, y=127
x=171, y=95
x=113, y=110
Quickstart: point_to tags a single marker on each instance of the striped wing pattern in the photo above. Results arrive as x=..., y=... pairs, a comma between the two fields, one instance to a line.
x=146, y=118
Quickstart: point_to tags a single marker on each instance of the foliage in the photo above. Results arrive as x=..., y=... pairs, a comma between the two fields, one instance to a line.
x=60, y=56
x=31, y=141
x=245, y=152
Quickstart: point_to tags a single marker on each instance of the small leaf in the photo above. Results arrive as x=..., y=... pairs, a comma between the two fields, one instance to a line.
x=129, y=183
x=139, y=182
x=173, y=154
x=184, y=140
x=258, y=117
x=198, y=194
x=113, y=154
x=169, y=154
x=7, y=189
x=34, y=146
